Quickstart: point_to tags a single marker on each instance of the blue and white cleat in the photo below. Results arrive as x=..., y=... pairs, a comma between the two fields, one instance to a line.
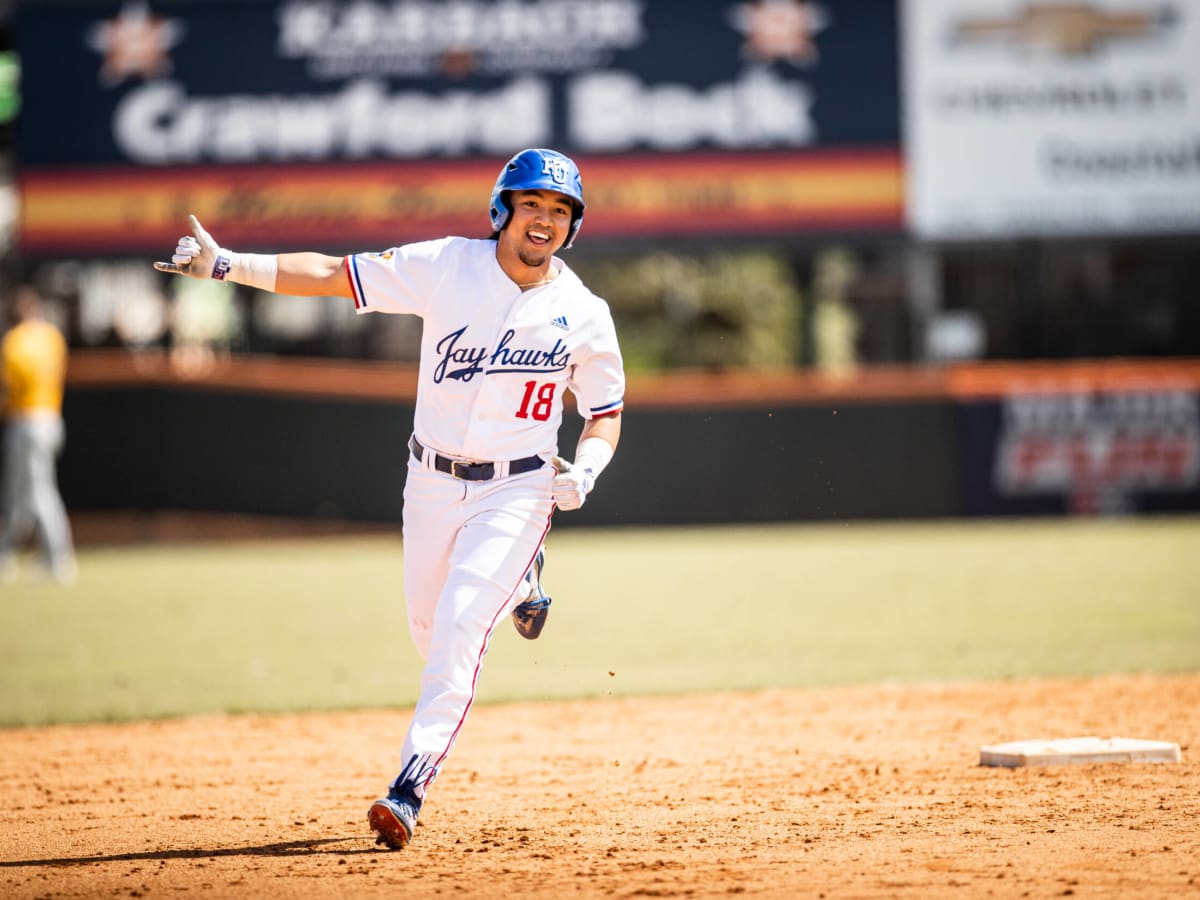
x=530, y=616
x=394, y=818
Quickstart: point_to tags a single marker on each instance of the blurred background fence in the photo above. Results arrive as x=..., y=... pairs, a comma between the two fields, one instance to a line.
x=868, y=259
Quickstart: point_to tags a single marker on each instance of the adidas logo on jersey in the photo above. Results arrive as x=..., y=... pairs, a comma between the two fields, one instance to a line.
x=560, y=322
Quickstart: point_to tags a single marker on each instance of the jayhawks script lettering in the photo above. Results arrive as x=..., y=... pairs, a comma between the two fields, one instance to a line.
x=462, y=363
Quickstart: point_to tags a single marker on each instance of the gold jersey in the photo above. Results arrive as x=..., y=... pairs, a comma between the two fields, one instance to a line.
x=35, y=363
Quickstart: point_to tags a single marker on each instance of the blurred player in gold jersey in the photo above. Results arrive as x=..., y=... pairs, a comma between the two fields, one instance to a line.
x=34, y=358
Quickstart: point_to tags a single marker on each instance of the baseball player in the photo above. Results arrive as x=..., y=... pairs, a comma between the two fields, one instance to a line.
x=508, y=327
x=34, y=361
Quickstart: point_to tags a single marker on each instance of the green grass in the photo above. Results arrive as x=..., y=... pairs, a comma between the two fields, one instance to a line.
x=320, y=624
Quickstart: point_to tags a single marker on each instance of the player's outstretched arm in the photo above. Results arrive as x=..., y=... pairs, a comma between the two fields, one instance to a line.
x=198, y=255
x=597, y=443
x=310, y=274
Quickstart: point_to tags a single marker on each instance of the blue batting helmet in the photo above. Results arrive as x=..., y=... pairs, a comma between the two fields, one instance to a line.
x=533, y=170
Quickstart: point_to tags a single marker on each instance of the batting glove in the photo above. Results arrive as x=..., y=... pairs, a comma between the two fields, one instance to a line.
x=572, y=484
x=198, y=255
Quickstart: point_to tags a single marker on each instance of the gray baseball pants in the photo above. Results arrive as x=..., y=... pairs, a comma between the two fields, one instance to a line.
x=30, y=490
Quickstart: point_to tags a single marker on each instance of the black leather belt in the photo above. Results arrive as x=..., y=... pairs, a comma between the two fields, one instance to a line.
x=472, y=471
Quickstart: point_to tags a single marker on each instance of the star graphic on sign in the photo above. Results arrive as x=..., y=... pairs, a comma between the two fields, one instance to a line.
x=780, y=29
x=135, y=42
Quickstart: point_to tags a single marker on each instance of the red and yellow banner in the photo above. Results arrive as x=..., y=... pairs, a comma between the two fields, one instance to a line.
x=343, y=207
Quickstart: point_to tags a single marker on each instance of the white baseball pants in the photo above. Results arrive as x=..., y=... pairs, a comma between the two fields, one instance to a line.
x=467, y=547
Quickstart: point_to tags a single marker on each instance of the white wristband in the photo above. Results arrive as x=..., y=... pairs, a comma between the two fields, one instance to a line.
x=593, y=454
x=257, y=270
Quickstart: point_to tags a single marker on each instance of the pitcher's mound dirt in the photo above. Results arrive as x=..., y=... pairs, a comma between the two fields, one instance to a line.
x=849, y=792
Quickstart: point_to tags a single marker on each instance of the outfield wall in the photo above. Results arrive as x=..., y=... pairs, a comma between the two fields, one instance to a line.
x=328, y=440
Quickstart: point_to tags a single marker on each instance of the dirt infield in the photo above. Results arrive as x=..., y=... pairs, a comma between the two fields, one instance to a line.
x=850, y=792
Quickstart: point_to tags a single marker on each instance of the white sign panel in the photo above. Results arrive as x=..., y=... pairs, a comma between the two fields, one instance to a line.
x=1027, y=118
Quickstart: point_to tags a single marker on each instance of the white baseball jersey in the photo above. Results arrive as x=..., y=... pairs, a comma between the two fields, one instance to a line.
x=494, y=359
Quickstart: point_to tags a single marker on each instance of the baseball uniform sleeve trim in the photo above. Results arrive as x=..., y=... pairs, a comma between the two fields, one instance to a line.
x=356, y=289
x=609, y=408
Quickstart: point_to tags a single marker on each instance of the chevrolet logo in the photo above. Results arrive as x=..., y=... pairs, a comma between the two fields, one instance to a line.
x=1066, y=29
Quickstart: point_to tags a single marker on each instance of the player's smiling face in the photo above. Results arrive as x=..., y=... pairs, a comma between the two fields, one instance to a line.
x=538, y=226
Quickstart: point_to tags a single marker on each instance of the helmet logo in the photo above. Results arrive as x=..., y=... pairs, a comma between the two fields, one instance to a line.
x=556, y=169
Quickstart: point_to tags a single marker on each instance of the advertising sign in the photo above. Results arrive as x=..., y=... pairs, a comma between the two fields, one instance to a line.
x=178, y=103
x=1084, y=440
x=1045, y=118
